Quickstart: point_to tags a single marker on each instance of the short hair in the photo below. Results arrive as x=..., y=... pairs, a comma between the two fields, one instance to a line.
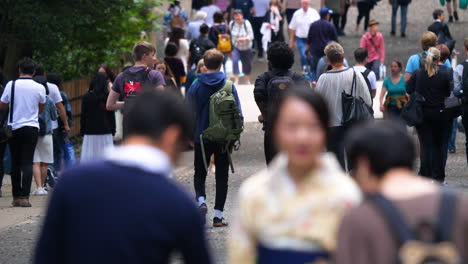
x=213, y=59
x=26, y=66
x=313, y=99
x=55, y=79
x=141, y=48
x=386, y=144
x=334, y=52
x=151, y=113
x=444, y=52
x=200, y=15
x=465, y=43
x=428, y=39
x=204, y=29
x=360, y=55
x=280, y=55
x=398, y=63
x=171, y=49
x=218, y=17
x=437, y=13
x=39, y=70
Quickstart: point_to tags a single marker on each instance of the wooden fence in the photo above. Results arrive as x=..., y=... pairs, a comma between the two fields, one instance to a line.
x=75, y=90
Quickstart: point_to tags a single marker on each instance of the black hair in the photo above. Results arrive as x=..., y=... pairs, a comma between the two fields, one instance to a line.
x=204, y=29
x=171, y=49
x=437, y=13
x=27, y=66
x=152, y=113
x=386, y=144
x=39, y=70
x=218, y=17
x=280, y=55
x=313, y=99
x=360, y=55
x=398, y=63
x=55, y=79
x=109, y=74
x=99, y=86
x=177, y=34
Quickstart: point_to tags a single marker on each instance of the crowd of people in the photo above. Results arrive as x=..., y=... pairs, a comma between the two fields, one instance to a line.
x=332, y=190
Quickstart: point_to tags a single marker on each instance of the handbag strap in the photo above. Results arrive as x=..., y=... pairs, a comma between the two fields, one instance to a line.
x=353, y=85
x=12, y=103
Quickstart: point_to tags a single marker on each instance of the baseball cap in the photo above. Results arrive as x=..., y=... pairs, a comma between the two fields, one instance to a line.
x=325, y=11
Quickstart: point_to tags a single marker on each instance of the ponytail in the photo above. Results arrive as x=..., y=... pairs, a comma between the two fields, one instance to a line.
x=432, y=61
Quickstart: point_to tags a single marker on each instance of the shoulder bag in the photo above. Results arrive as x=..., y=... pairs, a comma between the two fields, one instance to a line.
x=354, y=109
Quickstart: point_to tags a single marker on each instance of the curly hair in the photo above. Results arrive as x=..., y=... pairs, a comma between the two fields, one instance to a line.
x=280, y=55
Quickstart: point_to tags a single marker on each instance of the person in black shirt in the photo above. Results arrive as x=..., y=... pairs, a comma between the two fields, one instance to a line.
x=434, y=84
x=199, y=45
x=174, y=63
x=441, y=29
x=280, y=60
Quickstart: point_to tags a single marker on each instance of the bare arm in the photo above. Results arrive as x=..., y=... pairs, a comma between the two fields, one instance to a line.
x=63, y=116
x=292, y=38
x=41, y=108
x=113, y=102
x=3, y=105
x=407, y=76
x=382, y=96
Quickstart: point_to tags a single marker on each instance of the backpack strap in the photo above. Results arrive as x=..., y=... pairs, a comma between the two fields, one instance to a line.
x=394, y=219
x=446, y=216
x=12, y=101
x=366, y=72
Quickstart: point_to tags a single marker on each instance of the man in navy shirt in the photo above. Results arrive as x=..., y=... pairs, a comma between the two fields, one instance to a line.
x=321, y=32
x=125, y=208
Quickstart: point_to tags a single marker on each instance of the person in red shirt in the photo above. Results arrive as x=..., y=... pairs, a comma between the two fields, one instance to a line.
x=374, y=42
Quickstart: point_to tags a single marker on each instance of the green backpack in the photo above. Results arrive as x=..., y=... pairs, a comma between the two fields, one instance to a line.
x=225, y=122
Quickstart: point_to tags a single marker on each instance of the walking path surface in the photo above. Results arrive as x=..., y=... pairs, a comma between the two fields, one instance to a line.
x=19, y=226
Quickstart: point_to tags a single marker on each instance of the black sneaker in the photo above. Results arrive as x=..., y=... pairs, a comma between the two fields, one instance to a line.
x=392, y=33
x=455, y=15
x=450, y=19
x=403, y=34
x=203, y=208
x=219, y=222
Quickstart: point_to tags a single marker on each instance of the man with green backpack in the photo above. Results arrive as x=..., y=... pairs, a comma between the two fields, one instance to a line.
x=219, y=125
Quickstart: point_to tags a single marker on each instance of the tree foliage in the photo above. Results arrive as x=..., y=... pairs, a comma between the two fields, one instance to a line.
x=73, y=37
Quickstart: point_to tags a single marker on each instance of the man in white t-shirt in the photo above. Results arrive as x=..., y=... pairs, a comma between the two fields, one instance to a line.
x=299, y=29
x=360, y=55
x=27, y=98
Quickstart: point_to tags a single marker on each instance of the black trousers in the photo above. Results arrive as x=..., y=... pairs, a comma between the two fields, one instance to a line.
x=2, y=169
x=222, y=172
x=22, y=146
x=269, y=147
x=256, y=26
x=433, y=135
x=289, y=14
x=337, y=18
x=363, y=11
x=335, y=143
x=465, y=125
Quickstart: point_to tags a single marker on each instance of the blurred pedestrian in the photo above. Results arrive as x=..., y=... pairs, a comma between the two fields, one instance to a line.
x=259, y=11
x=26, y=99
x=331, y=85
x=97, y=124
x=338, y=12
x=175, y=16
x=192, y=76
x=210, y=9
x=298, y=30
x=291, y=211
x=273, y=23
x=246, y=7
x=169, y=78
x=193, y=30
x=110, y=77
x=452, y=5
x=394, y=92
x=242, y=40
x=460, y=78
x=434, y=85
x=270, y=85
x=321, y=32
x=178, y=38
x=199, y=45
x=360, y=56
x=220, y=35
x=403, y=5
x=394, y=223
x=174, y=63
x=441, y=30
x=133, y=174
x=374, y=42
x=291, y=7
x=364, y=9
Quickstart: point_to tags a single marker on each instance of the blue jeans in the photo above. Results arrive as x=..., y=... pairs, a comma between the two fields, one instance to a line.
x=375, y=67
x=313, y=67
x=63, y=148
x=403, y=12
x=301, y=45
x=453, y=136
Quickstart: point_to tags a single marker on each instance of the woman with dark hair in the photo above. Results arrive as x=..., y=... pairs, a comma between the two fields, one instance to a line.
x=394, y=92
x=434, y=85
x=104, y=68
x=178, y=38
x=171, y=84
x=97, y=124
x=175, y=64
x=274, y=19
x=290, y=212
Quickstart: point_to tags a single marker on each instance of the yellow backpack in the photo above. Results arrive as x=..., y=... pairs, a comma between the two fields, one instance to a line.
x=224, y=40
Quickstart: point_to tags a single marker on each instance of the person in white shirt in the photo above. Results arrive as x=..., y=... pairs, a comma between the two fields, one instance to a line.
x=193, y=30
x=242, y=37
x=360, y=55
x=26, y=99
x=210, y=9
x=299, y=29
x=260, y=9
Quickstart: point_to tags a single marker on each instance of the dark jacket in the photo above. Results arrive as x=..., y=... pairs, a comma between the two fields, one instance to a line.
x=321, y=32
x=279, y=36
x=218, y=29
x=138, y=217
x=440, y=27
x=95, y=119
x=199, y=95
x=434, y=89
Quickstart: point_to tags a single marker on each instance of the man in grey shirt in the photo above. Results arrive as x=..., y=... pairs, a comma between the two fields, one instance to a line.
x=330, y=85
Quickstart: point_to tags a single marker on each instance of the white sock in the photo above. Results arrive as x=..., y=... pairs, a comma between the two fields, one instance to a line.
x=218, y=214
x=201, y=200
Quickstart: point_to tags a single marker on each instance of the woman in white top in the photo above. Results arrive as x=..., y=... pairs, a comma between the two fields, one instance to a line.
x=178, y=37
x=242, y=39
x=291, y=211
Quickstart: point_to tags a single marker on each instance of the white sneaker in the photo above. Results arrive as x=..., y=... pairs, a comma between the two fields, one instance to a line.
x=36, y=192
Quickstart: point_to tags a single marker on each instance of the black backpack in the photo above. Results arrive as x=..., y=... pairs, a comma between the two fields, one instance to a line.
x=280, y=83
x=413, y=250
x=135, y=82
x=198, y=47
x=365, y=74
